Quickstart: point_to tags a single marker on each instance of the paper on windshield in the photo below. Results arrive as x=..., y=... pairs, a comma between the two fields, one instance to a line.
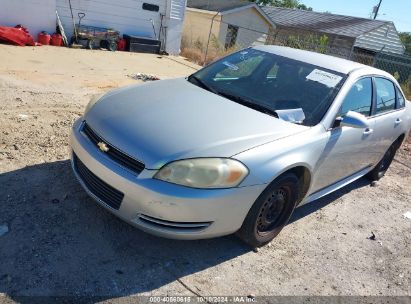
x=291, y=115
x=323, y=77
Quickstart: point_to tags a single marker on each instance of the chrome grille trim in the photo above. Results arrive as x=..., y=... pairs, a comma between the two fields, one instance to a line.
x=113, y=153
x=173, y=225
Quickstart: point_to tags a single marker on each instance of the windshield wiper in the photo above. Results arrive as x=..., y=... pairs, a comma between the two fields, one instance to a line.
x=250, y=104
x=235, y=98
x=202, y=84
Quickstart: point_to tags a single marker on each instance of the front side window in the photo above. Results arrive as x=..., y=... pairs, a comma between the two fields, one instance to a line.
x=385, y=95
x=272, y=84
x=359, y=98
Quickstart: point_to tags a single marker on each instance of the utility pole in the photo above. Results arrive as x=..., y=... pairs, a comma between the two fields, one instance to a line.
x=376, y=9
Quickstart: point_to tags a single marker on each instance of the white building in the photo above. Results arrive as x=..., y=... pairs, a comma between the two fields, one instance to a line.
x=133, y=17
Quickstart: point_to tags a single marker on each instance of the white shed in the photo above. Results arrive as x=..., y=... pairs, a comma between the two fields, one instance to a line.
x=133, y=17
x=35, y=15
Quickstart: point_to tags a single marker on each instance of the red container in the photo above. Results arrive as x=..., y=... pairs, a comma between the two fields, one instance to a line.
x=121, y=45
x=56, y=40
x=44, y=38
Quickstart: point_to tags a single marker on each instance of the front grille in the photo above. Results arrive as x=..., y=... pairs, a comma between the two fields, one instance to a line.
x=186, y=226
x=103, y=191
x=115, y=154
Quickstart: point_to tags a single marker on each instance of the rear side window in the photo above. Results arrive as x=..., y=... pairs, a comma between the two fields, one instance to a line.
x=359, y=98
x=401, y=99
x=385, y=95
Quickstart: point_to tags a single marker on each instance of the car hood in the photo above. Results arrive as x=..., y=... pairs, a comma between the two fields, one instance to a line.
x=167, y=120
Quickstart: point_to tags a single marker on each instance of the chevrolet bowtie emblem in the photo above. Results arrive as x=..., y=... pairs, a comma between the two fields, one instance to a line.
x=103, y=146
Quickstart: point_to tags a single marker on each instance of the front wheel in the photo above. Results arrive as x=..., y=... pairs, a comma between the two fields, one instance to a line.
x=271, y=211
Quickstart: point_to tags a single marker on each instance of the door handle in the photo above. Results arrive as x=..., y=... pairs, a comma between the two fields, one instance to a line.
x=398, y=121
x=368, y=131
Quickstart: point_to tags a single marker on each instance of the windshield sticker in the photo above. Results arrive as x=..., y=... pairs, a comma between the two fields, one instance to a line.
x=323, y=77
x=231, y=66
x=291, y=115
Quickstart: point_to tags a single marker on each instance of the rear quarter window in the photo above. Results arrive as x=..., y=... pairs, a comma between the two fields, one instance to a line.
x=400, y=99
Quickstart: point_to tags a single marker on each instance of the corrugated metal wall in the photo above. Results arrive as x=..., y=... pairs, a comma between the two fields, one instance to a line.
x=36, y=15
x=384, y=38
x=126, y=16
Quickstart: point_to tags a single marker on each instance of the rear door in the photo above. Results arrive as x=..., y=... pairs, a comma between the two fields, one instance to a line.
x=388, y=111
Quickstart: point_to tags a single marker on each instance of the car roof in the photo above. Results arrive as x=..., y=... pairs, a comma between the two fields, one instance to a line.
x=325, y=61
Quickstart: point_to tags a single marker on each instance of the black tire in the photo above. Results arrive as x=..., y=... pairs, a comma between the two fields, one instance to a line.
x=72, y=40
x=271, y=211
x=381, y=168
x=105, y=44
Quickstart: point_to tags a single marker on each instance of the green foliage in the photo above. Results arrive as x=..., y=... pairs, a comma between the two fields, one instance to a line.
x=406, y=87
x=284, y=3
x=406, y=40
x=323, y=43
x=309, y=42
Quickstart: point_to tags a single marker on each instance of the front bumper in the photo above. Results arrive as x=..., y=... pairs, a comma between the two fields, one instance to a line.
x=159, y=207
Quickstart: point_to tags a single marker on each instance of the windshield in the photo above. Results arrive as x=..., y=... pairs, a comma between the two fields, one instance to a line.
x=272, y=84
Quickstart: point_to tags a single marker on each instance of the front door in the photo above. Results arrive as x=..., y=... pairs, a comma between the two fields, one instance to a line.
x=348, y=150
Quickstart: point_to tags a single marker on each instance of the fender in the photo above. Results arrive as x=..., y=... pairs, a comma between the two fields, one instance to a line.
x=274, y=158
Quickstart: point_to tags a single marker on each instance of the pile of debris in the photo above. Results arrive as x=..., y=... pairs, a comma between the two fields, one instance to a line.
x=144, y=77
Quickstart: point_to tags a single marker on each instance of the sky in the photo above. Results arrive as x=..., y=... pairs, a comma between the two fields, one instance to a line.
x=398, y=11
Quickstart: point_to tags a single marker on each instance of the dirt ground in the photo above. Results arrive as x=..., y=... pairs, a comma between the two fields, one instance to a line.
x=55, y=241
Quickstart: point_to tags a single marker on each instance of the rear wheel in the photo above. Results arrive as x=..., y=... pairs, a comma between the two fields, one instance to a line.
x=381, y=168
x=271, y=211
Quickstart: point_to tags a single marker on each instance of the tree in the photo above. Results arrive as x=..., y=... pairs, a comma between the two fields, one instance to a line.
x=284, y=3
x=406, y=40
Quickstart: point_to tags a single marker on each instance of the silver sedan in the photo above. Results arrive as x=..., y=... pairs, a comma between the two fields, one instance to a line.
x=238, y=145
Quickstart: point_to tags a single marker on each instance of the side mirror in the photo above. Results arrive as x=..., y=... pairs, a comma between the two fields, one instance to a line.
x=355, y=120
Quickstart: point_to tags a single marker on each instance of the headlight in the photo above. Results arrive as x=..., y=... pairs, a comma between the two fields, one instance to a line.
x=204, y=172
x=93, y=101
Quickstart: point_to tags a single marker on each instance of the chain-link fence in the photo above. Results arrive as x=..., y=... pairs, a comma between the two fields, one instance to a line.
x=206, y=39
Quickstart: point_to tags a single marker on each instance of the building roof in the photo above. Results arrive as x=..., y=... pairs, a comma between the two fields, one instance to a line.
x=322, y=22
x=224, y=7
x=217, y=5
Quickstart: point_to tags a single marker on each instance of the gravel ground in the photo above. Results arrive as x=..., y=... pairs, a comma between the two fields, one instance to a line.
x=55, y=241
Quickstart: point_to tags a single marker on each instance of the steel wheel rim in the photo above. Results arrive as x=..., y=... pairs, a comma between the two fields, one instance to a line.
x=273, y=210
